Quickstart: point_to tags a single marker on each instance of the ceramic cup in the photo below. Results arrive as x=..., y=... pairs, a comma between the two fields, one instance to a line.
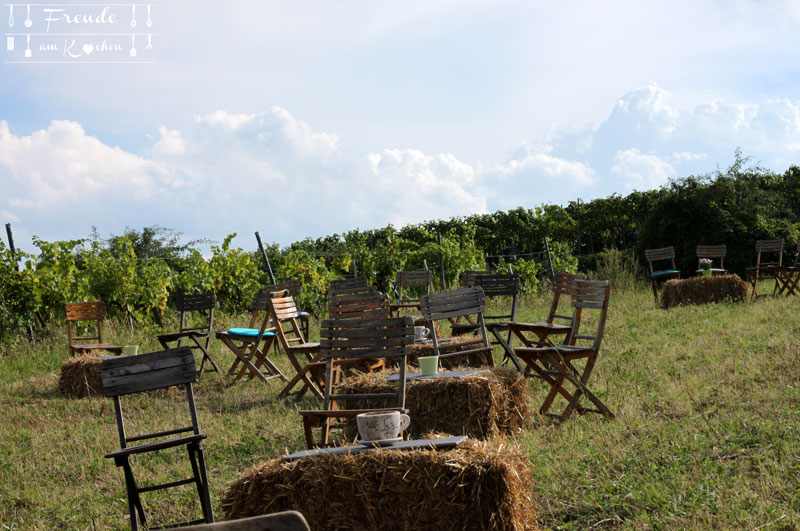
x=421, y=332
x=130, y=350
x=380, y=425
x=429, y=365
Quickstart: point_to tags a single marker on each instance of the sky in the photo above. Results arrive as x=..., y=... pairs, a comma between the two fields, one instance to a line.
x=307, y=118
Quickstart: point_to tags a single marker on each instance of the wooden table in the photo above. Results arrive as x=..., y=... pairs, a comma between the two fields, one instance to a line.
x=440, y=443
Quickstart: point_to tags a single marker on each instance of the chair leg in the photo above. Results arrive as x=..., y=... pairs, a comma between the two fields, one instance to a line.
x=134, y=500
x=201, y=480
x=655, y=289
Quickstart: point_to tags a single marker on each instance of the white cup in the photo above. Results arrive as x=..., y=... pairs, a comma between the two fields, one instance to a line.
x=379, y=425
x=421, y=332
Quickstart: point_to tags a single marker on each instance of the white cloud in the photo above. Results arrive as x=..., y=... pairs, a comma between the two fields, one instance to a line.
x=171, y=143
x=640, y=171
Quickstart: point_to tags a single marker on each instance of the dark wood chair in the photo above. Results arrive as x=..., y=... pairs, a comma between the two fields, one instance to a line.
x=494, y=287
x=352, y=285
x=127, y=375
x=555, y=364
x=557, y=323
x=283, y=521
x=89, y=317
x=467, y=278
x=712, y=252
x=358, y=339
x=197, y=320
x=250, y=345
x=763, y=268
x=422, y=278
x=454, y=304
x=371, y=304
x=293, y=287
x=787, y=279
x=660, y=275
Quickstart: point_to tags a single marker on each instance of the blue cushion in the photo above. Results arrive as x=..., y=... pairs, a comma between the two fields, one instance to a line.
x=670, y=272
x=250, y=332
x=302, y=314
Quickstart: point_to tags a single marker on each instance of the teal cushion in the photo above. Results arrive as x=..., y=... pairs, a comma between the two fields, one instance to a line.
x=250, y=332
x=670, y=272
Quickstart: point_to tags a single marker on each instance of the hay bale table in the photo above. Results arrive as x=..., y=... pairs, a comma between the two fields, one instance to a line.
x=701, y=290
x=80, y=376
x=425, y=348
x=474, y=485
x=480, y=403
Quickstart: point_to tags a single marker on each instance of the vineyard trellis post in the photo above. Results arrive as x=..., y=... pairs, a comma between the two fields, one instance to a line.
x=265, y=257
x=550, y=259
x=441, y=260
x=13, y=250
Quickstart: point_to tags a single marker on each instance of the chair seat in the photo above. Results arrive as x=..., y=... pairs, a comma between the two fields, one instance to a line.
x=551, y=328
x=713, y=271
x=346, y=413
x=158, y=445
x=305, y=346
x=179, y=335
x=249, y=332
x=569, y=351
x=97, y=346
x=664, y=273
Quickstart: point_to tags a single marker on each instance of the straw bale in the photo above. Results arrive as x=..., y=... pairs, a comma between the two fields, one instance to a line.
x=80, y=376
x=481, y=405
x=701, y=290
x=477, y=485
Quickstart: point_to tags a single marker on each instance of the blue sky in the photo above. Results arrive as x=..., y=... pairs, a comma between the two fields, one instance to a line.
x=308, y=118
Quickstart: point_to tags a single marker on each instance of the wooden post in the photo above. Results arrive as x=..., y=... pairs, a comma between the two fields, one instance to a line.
x=441, y=260
x=28, y=327
x=550, y=260
x=355, y=269
x=266, y=259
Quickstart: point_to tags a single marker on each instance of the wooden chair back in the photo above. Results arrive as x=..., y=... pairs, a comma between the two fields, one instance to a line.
x=366, y=339
x=797, y=256
x=589, y=295
x=774, y=247
x=711, y=252
x=284, y=315
x=360, y=306
x=85, y=312
x=498, y=285
x=563, y=284
x=422, y=278
x=292, y=286
x=658, y=255
x=348, y=285
x=202, y=304
x=451, y=305
x=467, y=278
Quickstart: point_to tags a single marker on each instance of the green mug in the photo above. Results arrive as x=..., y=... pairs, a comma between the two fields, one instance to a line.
x=130, y=350
x=429, y=365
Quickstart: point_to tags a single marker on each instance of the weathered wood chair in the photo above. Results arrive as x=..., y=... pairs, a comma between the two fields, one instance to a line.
x=787, y=279
x=127, y=375
x=660, y=275
x=283, y=313
x=293, y=287
x=359, y=306
x=283, y=521
x=358, y=339
x=466, y=279
x=453, y=304
x=496, y=286
x=194, y=327
x=555, y=364
x=352, y=285
x=557, y=322
x=711, y=252
x=87, y=316
x=422, y=278
x=251, y=344
x=763, y=268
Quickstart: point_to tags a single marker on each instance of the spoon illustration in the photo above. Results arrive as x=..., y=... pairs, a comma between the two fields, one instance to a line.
x=10, y=15
x=149, y=42
x=28, y=48
x=149, y=22
x=133, y=15
x=133, y=45
x=28, y=21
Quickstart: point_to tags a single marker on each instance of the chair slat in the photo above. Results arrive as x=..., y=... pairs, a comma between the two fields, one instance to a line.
x=664, y=253
x=148, y=371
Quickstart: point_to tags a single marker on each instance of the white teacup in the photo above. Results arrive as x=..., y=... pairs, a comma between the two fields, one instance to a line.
x=421, y=332
x=379, y=425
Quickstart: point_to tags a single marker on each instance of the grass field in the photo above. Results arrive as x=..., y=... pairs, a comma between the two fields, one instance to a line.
x=706, y=434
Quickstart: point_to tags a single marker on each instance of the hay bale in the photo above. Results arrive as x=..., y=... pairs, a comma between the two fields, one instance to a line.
x=481, y=405
x=477, y=485
x=701, y=290
x=80, y=376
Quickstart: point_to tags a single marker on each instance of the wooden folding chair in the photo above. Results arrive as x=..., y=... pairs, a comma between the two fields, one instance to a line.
x=555, y=364
x=763, y=268
x=712, y=252
x=538, y=334
x=422, y=278
x=194, y=328
x=352, y=285
x=494, y=287
x=87, y=316
x=127, y=375
x=283, y=313
x=251, y=344
x=367, y=305
x=293, y=287
x=453, y=304
x=787, y=279
x=358, y=339
x=661, y=275
x=468, y=278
